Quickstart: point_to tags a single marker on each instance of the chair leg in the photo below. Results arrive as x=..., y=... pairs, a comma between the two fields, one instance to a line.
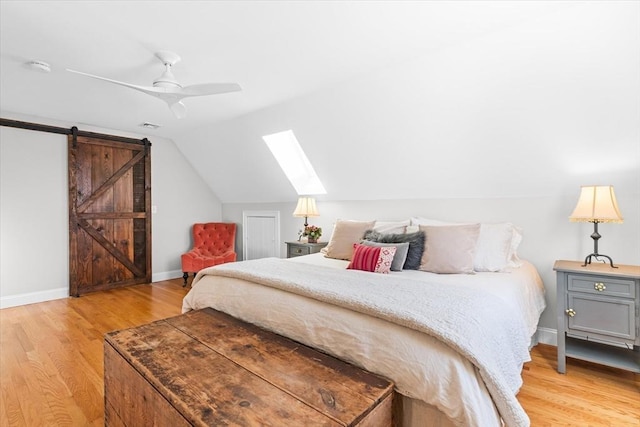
x=185, y=276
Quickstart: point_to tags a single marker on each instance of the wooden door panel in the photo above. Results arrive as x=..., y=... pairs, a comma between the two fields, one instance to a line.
x=102, y=260
x=82, y=176
x=123, y=187
x=84, y=257
x=123, y=238
x=109, y=204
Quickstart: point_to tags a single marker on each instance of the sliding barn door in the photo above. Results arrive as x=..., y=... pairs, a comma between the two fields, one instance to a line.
x=109, y=212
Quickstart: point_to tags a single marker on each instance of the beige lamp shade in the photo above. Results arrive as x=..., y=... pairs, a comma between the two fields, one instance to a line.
x=597, y=203
x=306, y=207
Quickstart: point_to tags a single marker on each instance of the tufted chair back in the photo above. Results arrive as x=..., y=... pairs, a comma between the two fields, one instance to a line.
x=214, y=238
x=213, y=244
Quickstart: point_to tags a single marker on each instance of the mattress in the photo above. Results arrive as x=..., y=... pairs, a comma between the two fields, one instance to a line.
x=439, y=385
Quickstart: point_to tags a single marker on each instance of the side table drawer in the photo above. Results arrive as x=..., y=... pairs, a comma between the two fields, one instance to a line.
x=298, y=251
x=602, y=285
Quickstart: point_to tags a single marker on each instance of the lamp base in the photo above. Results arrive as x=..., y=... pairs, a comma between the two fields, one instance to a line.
x=587, y=260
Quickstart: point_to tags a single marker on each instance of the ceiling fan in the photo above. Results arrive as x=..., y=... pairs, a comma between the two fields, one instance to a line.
x=167, y=88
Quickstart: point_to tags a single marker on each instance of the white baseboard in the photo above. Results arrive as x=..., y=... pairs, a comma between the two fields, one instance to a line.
x=547, y=336
x=166, y=275
x=58, y=293
x=33, y=297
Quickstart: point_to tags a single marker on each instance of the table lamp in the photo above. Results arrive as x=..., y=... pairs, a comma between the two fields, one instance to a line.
x=597, y=203
x=306, y=207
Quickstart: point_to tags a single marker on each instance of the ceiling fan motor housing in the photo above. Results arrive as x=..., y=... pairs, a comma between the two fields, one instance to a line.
x=167, y=79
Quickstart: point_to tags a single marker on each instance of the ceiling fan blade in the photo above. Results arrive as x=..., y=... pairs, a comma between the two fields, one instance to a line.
x=132, y=86
x=145, y=89
x=209, y=89
x=179, y=109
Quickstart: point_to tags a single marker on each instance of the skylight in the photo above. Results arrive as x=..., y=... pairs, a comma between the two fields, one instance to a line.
x=294, y=162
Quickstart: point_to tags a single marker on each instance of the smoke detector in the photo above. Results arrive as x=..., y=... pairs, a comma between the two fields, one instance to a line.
x=40, y=66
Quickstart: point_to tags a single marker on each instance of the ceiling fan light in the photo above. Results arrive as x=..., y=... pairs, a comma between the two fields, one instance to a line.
x=179, y=109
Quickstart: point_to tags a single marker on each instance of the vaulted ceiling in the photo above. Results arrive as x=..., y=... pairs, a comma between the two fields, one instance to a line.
x=276, y=50
x=301, y=58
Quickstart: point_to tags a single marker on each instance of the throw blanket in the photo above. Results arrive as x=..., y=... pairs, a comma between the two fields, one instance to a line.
x=477, y=325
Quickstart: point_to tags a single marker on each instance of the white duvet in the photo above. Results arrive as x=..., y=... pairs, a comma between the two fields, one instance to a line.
x=467, y=364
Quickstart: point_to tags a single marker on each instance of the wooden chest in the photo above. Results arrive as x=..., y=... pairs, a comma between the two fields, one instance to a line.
x=208, y=368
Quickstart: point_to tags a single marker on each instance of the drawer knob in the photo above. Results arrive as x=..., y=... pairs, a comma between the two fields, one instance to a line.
x=570, y=312
x=599, y=286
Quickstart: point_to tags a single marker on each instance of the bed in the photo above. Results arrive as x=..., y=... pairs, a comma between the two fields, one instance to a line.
x=454, y=344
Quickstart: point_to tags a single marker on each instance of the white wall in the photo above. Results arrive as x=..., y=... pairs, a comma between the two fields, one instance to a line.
x=34, y=257
x=548, y=234
x=34, y=231
x=533, y=110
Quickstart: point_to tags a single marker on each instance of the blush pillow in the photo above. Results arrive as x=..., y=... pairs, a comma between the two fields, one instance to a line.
x=497, y=248
x=345, y=234
x=449, y=249
x=402, y=249
x=371, y=258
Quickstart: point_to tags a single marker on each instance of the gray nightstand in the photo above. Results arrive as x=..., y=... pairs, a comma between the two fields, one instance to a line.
x=598, y=317
x=303, y=248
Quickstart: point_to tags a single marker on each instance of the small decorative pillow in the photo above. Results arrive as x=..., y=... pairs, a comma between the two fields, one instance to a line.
x=345, y=234
x=449, y=249
x=415, y=240
x=370, y=258
x=402, y=249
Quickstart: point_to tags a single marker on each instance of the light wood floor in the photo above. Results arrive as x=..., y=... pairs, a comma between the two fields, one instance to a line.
x=51, y=365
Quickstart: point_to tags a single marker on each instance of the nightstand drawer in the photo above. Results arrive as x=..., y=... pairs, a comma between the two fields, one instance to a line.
x=602, y=319
x=602, y=286
x=295, y=250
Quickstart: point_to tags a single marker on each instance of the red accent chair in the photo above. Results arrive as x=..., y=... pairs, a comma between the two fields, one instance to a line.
x=213, y=244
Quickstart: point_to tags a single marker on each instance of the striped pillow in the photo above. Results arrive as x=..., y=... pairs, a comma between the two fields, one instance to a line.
x=371, y=258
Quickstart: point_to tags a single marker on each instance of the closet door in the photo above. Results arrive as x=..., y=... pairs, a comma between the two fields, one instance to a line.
x=261, y=234
x=109, y=212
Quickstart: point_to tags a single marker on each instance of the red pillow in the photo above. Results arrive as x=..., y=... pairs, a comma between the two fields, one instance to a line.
x=372, y=258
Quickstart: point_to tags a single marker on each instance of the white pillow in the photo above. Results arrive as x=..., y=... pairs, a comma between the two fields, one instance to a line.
x=345, y=234
x=497, y=244
x=516, y=238
x=416, y=220
x=449, y=249
x=391, y=227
